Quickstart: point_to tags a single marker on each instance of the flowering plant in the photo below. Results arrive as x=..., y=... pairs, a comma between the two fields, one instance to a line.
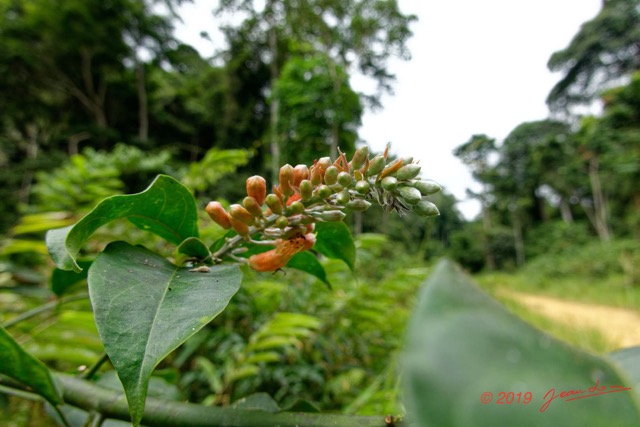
x=323, y=192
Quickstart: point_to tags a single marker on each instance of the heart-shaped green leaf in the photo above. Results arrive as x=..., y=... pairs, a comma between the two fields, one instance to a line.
x=194, y=248
x=470, y=362
x=307, y=262
x=145, y=307
x=335, y=241
x=16, y=363
x=62, y=280
x=165, y=208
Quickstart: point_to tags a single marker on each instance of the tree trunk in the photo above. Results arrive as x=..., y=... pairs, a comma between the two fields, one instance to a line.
x=32, y=149
x=274, y=144
x=565, y=211
x=517, y=238
x=335, y=124
x=599, y=202
x=143, y=108
x=489, y=259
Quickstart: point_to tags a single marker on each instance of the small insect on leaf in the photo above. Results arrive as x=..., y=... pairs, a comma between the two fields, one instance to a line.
x=201, y=269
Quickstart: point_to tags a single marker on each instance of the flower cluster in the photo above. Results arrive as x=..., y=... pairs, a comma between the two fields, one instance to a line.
x=304, y=195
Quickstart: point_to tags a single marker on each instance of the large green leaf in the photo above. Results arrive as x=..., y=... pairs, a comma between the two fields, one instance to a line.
x=307, y=262
x=165, y=208
x=145, y=307
x=62, y=280
x=335, y=241
x=462, y=345
x=16, y=363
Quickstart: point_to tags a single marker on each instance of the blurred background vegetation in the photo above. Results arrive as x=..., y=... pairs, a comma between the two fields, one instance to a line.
x=98, y=97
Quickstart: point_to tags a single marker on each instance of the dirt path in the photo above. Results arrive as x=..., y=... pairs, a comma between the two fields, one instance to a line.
x=620, y=326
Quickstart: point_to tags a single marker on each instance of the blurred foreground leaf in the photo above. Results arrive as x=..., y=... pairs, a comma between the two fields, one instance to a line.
x=463, y=345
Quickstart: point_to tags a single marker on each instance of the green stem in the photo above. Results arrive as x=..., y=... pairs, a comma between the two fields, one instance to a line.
x=91, y=371
x=41, y=309
x=19, y=393
x=160, y=413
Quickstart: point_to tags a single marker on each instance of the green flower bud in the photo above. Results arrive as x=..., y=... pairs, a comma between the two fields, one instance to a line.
x=426, y=208
x=323, y=191
x=358, y=205
x=306, y=189
x=359, y=157
x=376, y=165
x=407, y=160
x=343, y=197
x=274, y=204
x=389, y=183
x=331, y=175
x=239, y=213
x=252, y=206
x=409, y=194
x=295, y=208
x=332, y=216
x=345, y=179
x=408, y=171
x=363, y=186
x=281, y=222
x=427, y=187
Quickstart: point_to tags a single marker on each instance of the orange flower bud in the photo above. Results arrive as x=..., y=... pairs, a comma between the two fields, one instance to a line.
x=240, y=227
x=218, y=214
x=317, y=175
x=257, y=188
x=300, y=172
x=286, y=180
x=239, y=213
x=277, y=258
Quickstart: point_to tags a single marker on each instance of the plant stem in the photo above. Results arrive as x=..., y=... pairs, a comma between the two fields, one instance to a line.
x=19, y=393
x=91, y=371
x=159, y=413
x=41, y=309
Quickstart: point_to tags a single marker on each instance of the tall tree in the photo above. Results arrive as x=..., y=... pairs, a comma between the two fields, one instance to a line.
x=312, y=114
x=476, y=154
x=518, y=176
x=605, y=49
x=360, y=33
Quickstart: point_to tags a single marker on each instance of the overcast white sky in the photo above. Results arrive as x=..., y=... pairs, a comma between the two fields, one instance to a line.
x=477, y=67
